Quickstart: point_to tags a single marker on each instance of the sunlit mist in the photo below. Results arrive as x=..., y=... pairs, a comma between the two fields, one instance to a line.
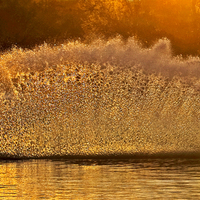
x=106, y=98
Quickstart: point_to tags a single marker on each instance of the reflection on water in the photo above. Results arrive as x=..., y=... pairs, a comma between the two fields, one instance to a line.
x=100, y=179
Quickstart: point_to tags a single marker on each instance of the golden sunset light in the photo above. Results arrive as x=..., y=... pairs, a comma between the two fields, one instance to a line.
x=99, y=99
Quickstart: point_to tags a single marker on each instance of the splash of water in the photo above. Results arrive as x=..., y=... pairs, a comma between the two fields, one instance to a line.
x=106, y=98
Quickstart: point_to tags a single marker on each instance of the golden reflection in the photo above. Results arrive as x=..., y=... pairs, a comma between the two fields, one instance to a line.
x=48, y=179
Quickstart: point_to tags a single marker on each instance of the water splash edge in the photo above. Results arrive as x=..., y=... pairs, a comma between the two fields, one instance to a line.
x=160, y=155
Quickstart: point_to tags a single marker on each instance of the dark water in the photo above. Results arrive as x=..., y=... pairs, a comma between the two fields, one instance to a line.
x=100, y=179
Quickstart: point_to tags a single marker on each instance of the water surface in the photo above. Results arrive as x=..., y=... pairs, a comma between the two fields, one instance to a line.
x=100, y=179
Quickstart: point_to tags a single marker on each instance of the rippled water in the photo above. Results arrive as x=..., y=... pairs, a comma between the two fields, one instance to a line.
x=100, y=179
